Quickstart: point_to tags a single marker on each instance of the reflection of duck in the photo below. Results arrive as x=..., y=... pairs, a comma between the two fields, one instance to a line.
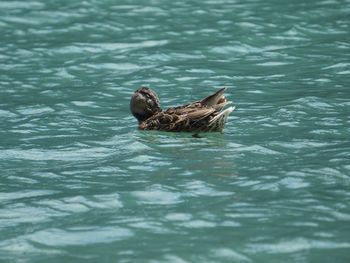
x=205, y=115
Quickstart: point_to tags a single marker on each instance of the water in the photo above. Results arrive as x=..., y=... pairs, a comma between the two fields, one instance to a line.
x=79, y=182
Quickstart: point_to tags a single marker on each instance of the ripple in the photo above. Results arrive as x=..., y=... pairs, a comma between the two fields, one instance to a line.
x=294, y=183
x=157, y=195
x=7, y=114
x=59, y=155
x=273, y=63
x=178, y=217
x=121, y=68
x=15, y=215
x=78, y=204
x=100, y=47
x=77, y=236
x=257, y=149
x=35, y=110
x=198, y=188
x=230, y=254
x=152, y=227
x=295, y=245
x=199, y=224
x=24, y=194
x=20, y=5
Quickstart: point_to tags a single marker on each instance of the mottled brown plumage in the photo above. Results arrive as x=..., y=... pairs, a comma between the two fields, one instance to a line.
x=205, y=115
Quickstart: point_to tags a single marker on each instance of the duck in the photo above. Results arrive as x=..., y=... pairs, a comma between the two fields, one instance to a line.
x=205, y=115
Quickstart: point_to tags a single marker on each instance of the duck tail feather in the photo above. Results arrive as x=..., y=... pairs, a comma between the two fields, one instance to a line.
x=218, y=122
x=213, y=99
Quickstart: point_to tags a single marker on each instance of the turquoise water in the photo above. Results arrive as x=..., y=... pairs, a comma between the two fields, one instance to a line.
x=80, y=183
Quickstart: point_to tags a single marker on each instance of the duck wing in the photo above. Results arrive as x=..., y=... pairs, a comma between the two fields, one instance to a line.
x=214, y=100
x=188, y=119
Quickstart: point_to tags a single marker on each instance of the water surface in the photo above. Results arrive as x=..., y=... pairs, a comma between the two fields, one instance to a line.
x=80, y=183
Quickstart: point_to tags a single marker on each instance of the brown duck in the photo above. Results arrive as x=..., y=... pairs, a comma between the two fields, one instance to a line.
x=206, y=115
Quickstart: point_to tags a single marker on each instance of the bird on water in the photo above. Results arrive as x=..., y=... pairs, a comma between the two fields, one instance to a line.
x=206, y=115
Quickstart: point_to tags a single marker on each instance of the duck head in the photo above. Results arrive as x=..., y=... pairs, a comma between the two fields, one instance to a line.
x=144, y=103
